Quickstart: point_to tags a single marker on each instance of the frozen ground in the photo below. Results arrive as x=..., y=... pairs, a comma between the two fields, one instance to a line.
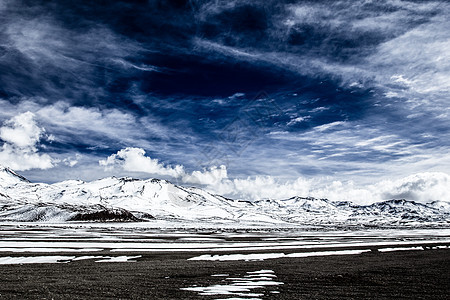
x=140, y=237
x=182, y=261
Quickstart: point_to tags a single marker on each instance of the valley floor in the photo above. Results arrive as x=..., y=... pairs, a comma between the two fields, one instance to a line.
x=131, y=263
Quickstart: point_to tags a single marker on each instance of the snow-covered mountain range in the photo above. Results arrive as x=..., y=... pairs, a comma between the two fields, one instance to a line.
x=127, y=199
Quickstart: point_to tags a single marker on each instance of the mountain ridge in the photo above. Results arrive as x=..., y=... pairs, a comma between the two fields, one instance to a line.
x=130, y=199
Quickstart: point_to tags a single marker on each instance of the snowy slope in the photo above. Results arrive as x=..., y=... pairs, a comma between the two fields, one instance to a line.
x=9, y=177
x=155, y=197
x=127, y=199
x=323, y=211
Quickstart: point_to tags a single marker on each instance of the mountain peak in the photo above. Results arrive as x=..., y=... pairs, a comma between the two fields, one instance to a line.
x=8, y=176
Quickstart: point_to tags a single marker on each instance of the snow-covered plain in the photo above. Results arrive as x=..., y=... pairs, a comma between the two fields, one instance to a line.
x=138, y=238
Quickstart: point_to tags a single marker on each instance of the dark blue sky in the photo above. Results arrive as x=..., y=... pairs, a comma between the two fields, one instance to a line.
x=283, y=91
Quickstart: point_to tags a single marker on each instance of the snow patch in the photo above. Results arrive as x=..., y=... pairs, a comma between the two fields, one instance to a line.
x=264, y=256
x=8, y=260
x=119, y=259
x=46, y=250
x=240, y=286
x=399, y=249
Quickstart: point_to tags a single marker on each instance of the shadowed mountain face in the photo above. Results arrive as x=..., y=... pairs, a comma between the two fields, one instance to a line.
x=127, y=199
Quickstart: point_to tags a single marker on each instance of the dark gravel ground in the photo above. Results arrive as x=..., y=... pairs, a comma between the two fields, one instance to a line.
x=373, y=275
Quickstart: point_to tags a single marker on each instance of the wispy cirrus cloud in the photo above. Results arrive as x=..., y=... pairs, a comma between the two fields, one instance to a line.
x=366, y=44
x=42, y=55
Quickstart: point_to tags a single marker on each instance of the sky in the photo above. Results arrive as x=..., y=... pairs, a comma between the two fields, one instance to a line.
x=345, y=100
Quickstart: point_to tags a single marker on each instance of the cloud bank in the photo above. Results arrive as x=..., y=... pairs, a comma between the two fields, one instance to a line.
x=421, y=187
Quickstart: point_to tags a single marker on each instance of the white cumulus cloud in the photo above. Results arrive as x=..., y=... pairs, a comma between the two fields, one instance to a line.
x=135, y=160
x=421, y=187
x=212, y=176
x=21, y=131
x=21, y=135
